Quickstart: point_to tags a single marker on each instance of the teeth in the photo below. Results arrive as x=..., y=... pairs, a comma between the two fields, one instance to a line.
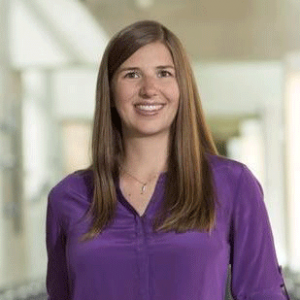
x=149, y=107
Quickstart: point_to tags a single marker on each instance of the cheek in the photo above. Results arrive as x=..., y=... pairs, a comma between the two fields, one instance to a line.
x=176, y=98
x=122, y=94
x=174, y=93
x=117, y=98
x=171, y=90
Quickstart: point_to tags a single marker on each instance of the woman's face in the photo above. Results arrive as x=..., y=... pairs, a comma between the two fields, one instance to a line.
x=145, y=91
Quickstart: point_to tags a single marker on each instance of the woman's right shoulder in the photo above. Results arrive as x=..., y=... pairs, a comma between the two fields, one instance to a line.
x=78, y=183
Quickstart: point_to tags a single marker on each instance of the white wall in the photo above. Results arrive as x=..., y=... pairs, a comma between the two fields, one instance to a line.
x=239, y=88
x=74, y=93
x=42, y=39
x=292, y=110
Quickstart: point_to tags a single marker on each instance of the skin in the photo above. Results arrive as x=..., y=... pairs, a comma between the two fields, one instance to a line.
x=146, y=77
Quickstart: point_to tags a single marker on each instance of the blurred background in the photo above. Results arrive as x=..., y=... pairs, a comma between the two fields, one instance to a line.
x=246, y=59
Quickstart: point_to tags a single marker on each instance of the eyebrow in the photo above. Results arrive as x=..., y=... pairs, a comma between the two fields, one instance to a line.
x=136, y=68
x=165, y=67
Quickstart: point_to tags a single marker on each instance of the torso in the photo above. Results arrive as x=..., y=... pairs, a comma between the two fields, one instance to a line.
x=131, y=190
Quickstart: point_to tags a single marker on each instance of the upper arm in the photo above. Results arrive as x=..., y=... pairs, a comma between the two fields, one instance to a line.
x=57, y=275
x=255, y=270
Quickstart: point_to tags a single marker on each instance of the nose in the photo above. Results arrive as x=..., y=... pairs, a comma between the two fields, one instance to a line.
x=148, y=87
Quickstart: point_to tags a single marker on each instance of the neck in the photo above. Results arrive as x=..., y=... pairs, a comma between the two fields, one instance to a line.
x=145, y=156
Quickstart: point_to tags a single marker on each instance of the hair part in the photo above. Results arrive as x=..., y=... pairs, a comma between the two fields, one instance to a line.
x=190, y=197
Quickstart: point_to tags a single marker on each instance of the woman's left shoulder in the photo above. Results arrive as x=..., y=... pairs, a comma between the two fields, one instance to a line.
x=230, y=174
x=219, y=163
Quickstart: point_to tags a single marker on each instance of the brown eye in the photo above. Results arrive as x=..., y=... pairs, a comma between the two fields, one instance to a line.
x=132, y=74
x=164, y=73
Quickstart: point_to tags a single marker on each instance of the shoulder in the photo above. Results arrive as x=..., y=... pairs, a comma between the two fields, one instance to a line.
x=221, y=165
x=232, y=177
x=78, y=183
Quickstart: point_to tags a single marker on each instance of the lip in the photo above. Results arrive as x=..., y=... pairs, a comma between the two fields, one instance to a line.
x=149, y=103
x=150, y=112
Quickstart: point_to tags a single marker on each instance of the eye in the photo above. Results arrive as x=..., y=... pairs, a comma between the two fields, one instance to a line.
x=131, y=74
x=164, y=73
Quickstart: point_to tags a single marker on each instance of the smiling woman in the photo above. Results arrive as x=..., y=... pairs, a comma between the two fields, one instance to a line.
x=146, y=93
x=158, y=215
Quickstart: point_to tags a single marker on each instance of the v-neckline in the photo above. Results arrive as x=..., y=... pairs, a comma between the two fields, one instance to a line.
x=127, y=204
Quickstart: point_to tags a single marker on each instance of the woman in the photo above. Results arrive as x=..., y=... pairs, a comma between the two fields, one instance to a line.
x=158, y=215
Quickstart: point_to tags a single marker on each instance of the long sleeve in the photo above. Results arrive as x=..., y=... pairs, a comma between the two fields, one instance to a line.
x=256, y=274
x=57, y=277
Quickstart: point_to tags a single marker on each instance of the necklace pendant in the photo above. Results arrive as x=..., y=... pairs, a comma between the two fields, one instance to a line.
x=143, y=189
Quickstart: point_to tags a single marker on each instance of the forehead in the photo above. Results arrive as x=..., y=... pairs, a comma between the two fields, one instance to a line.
x=151, y=54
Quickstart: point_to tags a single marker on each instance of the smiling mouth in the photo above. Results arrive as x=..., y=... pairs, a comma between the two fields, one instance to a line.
x=149, y=107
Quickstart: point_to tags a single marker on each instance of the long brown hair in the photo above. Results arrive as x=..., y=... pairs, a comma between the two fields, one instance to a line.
x=189, y=199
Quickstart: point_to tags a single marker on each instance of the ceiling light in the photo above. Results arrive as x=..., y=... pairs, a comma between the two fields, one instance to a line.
x=144, y=4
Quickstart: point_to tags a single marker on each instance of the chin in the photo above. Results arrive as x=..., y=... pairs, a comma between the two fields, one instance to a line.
x=147, y=130
x=152, y=133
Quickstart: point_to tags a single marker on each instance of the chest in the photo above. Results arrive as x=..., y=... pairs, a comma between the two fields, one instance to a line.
x=137, y=196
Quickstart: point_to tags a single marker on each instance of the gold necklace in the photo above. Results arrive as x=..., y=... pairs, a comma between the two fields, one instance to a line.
x=143, y=188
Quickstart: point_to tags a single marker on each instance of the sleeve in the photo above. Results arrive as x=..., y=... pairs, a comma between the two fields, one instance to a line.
x=57, y=275
x=256, y=274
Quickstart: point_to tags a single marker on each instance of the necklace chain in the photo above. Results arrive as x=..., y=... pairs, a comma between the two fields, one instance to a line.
x=143, y=188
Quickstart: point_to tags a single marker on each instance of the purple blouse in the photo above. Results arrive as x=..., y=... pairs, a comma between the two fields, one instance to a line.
x=129, y=261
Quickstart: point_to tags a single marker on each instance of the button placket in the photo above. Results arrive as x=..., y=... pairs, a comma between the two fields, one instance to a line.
x=142, y=257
